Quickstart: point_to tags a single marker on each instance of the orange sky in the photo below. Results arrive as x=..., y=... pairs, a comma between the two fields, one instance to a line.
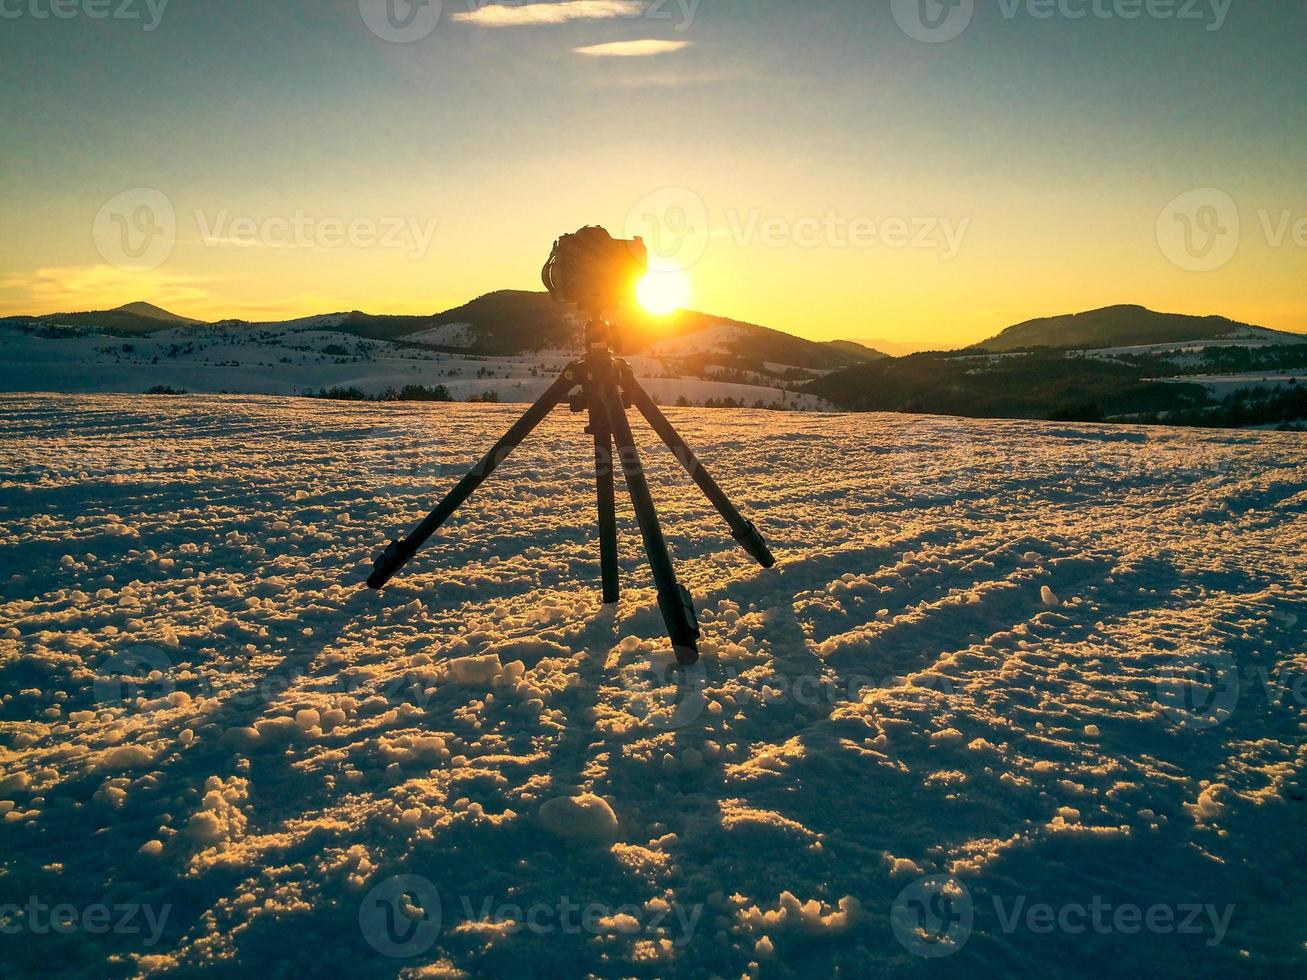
x=817, y=170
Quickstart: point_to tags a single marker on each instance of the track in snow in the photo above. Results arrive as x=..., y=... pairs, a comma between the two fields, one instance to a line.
x=963, y=695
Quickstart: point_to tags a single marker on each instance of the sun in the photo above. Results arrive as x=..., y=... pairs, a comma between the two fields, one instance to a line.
x=663, y=291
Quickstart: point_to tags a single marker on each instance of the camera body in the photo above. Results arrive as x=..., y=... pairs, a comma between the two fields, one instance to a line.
x=594, y=270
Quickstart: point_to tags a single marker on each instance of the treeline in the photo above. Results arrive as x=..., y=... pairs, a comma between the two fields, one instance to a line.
x=409, y=393
x=728, y=402
x=1042, y=385
x=1285, y=408
x=1069, y=388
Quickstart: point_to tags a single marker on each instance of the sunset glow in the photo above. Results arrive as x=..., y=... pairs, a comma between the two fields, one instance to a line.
x=664, y=291
x=880, y=186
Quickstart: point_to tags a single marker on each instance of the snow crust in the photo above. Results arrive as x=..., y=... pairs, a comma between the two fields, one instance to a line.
x=964, y=666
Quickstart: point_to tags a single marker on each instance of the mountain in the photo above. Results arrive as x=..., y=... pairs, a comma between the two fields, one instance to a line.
x=498, y=324
x=152, y=312
x=1041, y=385
x=1127, y=326
x=1120, y=363
x=891, y=348
x=858, y=349
x=509, y=322
x=512, y=322
x=134, y=319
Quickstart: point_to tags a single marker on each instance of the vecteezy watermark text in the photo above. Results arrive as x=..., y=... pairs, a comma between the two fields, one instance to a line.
x=935, y=916
x=299, y=229
x=1211, y=13
x=937, y=21
x=402, y=917
x=37, y=918
x=148, y=12
x=834, y=230
x=676, y=226
x=139, y=229
x=1103, y=918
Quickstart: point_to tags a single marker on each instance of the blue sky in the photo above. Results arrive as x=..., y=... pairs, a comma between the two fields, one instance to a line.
x=1057, y=141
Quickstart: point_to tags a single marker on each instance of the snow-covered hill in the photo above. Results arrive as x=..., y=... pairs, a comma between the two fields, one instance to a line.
x=308, y=355
x=1028, y=695
x=1123, y=327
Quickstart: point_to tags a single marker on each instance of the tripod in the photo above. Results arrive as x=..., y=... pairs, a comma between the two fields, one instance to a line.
x=607, y=387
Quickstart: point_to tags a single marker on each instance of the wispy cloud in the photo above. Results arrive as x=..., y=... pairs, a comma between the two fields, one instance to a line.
x=70, y=289
x=682, y=79
x=632, y=49
x=502, y=15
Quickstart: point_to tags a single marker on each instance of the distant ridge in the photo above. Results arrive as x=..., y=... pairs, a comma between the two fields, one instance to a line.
x=891, y=348
x=1126, y=326
x=134, y=319
x=152, y=312
x=858, y=349
x=511, y=322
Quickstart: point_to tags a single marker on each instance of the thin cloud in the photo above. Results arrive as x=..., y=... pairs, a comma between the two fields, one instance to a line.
x=500, y=15
x=72, y=289
x=632, y=49
x=683, y=79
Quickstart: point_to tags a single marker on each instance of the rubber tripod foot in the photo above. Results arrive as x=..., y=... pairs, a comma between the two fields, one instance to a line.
x=752, y=542
x=683, y=627
x=387, y=564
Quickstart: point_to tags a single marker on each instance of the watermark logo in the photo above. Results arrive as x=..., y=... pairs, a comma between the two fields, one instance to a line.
x=673, y=221
x=401, y=21
x=1202, y=691
x=1199, y=230
x=136, y=230
x=401, y=916
x=933, y=917
x=940, y=455
x=666, y=696
x=135, y=672
x=396, y=457
x=933, y=21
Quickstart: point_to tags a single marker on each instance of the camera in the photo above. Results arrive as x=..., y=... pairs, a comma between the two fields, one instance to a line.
x=594, y=270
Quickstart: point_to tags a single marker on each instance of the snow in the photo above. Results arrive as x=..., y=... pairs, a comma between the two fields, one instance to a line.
x=203, y=710
x=585, y=817
x=449, y=335
x=1250, y=337
x=717, y=339
x=1221, y=385
x=306, y=356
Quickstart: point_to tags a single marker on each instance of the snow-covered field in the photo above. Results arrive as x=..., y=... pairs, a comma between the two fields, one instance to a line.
x=1221, y=385
x=307, y=356
x=958, y=719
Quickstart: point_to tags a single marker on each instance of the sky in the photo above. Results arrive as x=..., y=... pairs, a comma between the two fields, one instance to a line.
x=918, y=171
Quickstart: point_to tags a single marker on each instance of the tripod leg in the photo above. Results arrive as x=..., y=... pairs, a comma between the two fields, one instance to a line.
x=673, y=600
x=742, y=530
x=603, y=438
x=398, y=553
